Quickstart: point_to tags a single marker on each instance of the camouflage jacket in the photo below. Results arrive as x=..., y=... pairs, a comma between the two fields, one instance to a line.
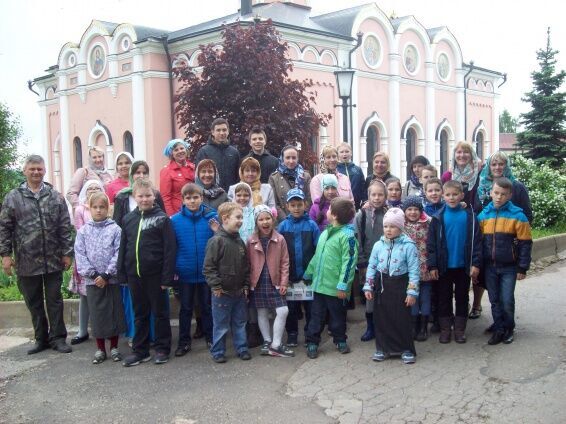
x=38, y=230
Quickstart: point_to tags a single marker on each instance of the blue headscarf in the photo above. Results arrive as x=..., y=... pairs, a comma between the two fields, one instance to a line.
x=168, y=151
x=296, y=174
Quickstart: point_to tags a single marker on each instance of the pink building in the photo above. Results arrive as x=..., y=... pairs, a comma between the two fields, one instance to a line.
x=413, y=92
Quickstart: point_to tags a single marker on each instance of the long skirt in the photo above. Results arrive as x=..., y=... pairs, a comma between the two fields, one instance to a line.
x=392, y=319
x=106, y=311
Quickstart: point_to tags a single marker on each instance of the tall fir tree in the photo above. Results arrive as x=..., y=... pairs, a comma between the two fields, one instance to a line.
x=544, y=137
x=507, y=124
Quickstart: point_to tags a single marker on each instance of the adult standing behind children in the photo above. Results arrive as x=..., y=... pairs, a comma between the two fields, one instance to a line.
x=250, y=171
x=96, y=170
x=268, y=163
x=380, y=169
x=507, y=244
x=352, y=171
x=124, y=161
x=207, y=178
x=225, y=156
x=174, y=176
x=290, y=174
x=36, y=228
x=330, y=159
x=414, y=187
x=465, y=168
x=498, y=165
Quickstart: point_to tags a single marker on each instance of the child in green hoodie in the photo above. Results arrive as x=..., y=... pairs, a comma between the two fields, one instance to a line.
x=331, y=271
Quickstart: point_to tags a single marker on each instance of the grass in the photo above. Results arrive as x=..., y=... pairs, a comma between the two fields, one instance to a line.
x=550, y=231
x=9, y=288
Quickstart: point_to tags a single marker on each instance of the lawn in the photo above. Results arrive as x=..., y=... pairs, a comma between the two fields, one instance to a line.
x=550, y=231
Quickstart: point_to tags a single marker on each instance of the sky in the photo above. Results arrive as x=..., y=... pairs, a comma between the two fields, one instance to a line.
x=502, y=35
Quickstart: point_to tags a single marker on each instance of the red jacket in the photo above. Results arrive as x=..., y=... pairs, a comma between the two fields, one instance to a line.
x=277, y=259
x=172, y=178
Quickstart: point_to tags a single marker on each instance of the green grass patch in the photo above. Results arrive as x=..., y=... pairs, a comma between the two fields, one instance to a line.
x=550, y=231
x=9, y=288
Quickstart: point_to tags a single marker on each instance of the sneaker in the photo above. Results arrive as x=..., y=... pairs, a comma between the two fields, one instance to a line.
x=508, y=336
x=496, y=338
x=379, y=356
x=408, y=357
x=62, y=347
x=134, y=359
x=265, y=348
x=115, y=354
x=220, y=359
x=343, y=347
x=281, y=351
x=312, y=351
x=99, y=357
x=183, y=350
x=245, y=355
x=161, y=358
x=292, y=340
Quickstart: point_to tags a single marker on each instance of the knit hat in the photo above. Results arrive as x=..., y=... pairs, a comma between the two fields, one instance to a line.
x=394, y=216
x=295, y=193
x=263, y=208
x=329, y=180
x=411, y=201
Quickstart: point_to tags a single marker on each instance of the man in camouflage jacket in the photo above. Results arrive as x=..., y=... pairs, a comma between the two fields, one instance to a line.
x=35, y=227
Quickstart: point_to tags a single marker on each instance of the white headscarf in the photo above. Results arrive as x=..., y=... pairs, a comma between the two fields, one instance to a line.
x=82, y=195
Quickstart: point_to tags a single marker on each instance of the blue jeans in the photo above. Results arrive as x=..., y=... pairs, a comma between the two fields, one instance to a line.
x=423, y=304
x=229, y=312
x=500, y=283
x=187, y=293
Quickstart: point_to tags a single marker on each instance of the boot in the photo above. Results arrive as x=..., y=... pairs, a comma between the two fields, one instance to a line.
x=435, y=327
x=254, y=335
x=370, y=332
x=198, y=330
x=414, y=326
x=445, y=330
x=422, y=335
x=460, y=329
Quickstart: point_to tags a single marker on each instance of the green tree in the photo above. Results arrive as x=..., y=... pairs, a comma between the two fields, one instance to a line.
x=507, y=124
x=544, y=138
x=10, y=132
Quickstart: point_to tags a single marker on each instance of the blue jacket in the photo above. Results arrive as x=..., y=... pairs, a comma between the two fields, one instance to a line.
x=432, y=209
x=192, y=231
x=357, y=180
x=394, y=257
x=506, y=236
x=301, y=235
x=436, y=243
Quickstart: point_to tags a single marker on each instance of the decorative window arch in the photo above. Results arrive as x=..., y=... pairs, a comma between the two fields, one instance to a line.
x=445, y=137
x=78, y=150
x=375, y=135
x=411, y=132
x=480, y=138
x=129, y=143
x=101, y=129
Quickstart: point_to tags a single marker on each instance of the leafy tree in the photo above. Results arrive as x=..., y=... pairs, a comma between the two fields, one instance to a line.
x=544, y=138
x=248, y=83
x=10, y=132
x=507, y=124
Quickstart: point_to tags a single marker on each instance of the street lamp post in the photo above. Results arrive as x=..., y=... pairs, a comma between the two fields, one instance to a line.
x=344, y=78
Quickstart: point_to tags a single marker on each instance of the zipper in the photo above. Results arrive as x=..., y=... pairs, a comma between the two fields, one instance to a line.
x=138, y=245
x=42, y=234
x=389, y=257
x=196, y=250
x=493, y=238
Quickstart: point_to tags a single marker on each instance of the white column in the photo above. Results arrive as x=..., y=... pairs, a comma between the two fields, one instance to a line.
x=394, y=148
x=363, y=154
x=460, y=107
x=493, y=146
x=353, y=125
x=138, y=107
x=65, y=133
x=430, y=145
x=44, y=137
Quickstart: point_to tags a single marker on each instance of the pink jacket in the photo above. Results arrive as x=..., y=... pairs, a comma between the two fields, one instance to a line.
x=344, y=187
x=81, y=176
x=277, y=259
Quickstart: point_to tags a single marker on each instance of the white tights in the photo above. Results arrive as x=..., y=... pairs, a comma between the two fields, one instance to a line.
x=278, y=324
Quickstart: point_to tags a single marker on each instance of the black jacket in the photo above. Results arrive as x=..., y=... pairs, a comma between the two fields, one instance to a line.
x=227, y=160
x=267, y=162
x=148, y=246
x=436, y=245
x=122, y=206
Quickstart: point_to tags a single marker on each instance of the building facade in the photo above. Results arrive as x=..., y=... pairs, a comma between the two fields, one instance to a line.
x=412, y=92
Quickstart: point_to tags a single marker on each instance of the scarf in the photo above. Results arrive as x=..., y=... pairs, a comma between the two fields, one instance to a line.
x=256, y=184
x=83, y=200
x=467, y=175
x=214, y=190
x=415, y=181
x=486, y=179
x=394, y=203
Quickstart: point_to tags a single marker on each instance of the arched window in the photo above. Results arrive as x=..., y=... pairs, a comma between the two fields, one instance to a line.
x=372, y=143
x=479, y=144
x=411, y=147
x=129, y=143
x=78, y=153
x=443, y=151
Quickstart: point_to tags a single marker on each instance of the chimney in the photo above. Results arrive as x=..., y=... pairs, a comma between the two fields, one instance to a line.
x=246, y=7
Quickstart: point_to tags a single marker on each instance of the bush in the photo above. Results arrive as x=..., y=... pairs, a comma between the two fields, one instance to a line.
x=9, y=288
x=547, y=190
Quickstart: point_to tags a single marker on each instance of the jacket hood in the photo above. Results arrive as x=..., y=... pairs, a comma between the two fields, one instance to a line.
x=218, y=145
x=155, y=209
x=104, y=223
x=23, y=187
x=509, y=206
x=204, y=211
x=304, y=217
x=222, y=232
x=403, y=238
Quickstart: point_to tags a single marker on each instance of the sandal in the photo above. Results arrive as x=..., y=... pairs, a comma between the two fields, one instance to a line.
x=99, y=357
x=475, y=313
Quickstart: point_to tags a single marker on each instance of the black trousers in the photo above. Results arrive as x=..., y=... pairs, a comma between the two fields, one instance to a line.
x=454, y=283
x=292, y=323
x=336, y=308
x=148, y=296
x=50, y=327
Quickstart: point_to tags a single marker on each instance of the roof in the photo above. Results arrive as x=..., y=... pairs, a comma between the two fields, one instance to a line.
x=142, y=32
x=507, y=141
x=340, y=21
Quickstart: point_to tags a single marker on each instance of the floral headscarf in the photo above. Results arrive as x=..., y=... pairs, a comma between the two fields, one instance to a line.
x=486, y=179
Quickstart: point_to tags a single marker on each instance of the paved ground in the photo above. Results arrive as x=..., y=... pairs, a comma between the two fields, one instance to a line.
x=518, y=383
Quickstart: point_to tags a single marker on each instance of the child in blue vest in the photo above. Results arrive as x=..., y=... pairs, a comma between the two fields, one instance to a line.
x=301, y=234
x=193, y=228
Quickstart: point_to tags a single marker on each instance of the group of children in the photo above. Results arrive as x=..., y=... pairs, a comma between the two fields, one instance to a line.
x=414, y=255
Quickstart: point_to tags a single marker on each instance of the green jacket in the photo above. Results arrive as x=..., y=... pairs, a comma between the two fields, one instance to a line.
x=333, y=265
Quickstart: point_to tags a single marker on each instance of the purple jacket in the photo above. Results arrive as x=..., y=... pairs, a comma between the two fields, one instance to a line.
x=96, y=250
x=314, y=213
